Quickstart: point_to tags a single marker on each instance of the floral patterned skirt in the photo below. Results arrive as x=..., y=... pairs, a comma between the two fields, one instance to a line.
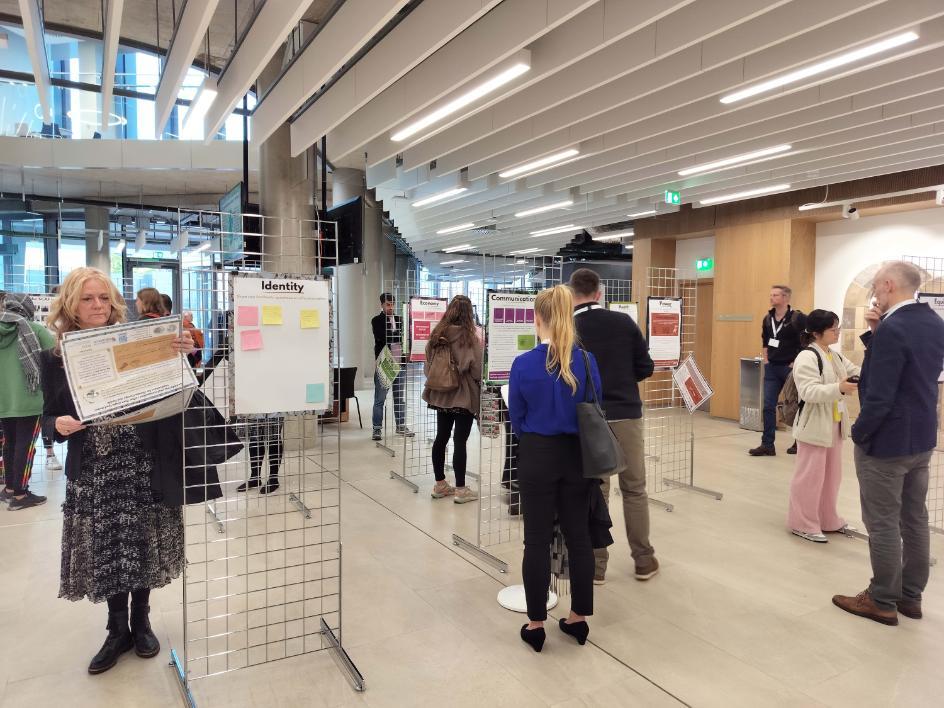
x=115, y=537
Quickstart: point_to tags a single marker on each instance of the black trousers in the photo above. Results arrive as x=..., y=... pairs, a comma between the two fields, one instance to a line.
x=444, y=424
x=265, y=433
x=550, y=476
x=19, y=446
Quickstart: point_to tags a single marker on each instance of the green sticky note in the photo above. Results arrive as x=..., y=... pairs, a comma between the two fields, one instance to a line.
x=525, y=342
x=315, y=393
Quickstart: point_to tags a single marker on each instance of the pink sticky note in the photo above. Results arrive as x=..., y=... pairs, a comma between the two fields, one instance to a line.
x=247, y=316
x=250, y=340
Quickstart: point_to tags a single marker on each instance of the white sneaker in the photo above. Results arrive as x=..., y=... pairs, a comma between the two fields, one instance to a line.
x=442, y=489
x=52, y=463
x=814, y=537
x=464, y=494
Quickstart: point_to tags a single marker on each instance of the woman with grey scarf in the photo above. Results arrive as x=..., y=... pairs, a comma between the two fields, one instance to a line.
x=21, y=396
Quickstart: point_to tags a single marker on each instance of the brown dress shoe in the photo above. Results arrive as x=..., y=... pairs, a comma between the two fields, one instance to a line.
x=864, y=606
x=763, y=451
x=910, y=608
x=644, y=572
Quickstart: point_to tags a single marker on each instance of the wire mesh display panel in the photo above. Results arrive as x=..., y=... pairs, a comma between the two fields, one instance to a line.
x=933, y=270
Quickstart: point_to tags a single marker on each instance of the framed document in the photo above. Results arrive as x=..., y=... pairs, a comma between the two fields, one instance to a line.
x=665, y=331
x=127, y=373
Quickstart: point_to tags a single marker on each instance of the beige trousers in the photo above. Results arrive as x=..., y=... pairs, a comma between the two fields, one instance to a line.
x=632, y=483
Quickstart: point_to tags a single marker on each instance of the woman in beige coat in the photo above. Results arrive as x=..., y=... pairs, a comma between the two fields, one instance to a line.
x=822, y=378
x=456, y=407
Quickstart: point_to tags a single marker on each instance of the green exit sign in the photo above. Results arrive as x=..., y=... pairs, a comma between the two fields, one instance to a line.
x=673, y=197
x=704, y=264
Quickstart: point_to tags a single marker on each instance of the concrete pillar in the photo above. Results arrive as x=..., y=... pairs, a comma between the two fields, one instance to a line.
x=96, y=219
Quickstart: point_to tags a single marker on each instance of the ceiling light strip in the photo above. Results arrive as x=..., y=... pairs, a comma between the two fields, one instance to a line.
x=455, y=229
x=435, y=198
x=822, y=67
x=556, y=230
x=541, y=163
x=541, y=210
x=455, y=262
x=757, y=155
x=523, y=251
x=735, y=196
x=614, y=237
x=640, y=214
x=456, y=249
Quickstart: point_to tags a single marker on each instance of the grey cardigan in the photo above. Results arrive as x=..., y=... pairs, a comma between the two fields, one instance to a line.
x=469, y=363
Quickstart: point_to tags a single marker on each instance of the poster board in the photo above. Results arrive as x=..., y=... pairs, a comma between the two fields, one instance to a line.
x=510, y=328
x=936, y=301
x=281, y=344
x=627, y=308
x=691, y=384
x=42, y=302
x=425, y=313
x=665, y=331
x=128, y=373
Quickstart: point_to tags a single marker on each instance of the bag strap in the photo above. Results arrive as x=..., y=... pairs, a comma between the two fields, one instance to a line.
x=590, y=385
x=819, y=359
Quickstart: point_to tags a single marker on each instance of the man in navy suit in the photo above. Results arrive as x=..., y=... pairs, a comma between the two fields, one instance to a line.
x=895, y=436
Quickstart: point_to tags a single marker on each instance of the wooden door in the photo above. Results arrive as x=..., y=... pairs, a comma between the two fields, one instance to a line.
x=704, y=314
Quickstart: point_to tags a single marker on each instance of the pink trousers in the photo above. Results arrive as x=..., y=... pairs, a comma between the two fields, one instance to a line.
x=815, y=487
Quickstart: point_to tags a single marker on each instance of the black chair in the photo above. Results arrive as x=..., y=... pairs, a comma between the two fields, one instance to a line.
x=344, y=389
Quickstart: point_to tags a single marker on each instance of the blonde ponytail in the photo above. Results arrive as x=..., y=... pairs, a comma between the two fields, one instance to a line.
x=555, y=307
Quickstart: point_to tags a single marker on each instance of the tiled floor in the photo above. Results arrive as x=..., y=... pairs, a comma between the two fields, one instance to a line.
x=739, y=616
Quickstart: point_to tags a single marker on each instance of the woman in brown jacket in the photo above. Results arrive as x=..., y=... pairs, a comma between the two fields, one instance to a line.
x=458, y=406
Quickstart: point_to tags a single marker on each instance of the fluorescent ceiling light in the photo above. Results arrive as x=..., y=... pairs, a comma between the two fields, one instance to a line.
x=456, y=229
x=615, y=237
x=454, y=249
x=199, y=106
x=556, y=230
x=520, y=262
x=758, y=155
x=426, y=201
x=638, y=214
x=821, y=67
x=744, y=195
x=455, y=262
x=457, y=104
x=549, y=207
x=523, y=251
x=544, y=162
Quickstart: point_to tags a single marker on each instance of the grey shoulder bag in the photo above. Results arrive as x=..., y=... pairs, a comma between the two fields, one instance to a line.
x=601, y=452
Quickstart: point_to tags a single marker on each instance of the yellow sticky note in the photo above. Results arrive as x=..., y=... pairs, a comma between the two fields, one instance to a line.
x=271, y=314
x=311, y=319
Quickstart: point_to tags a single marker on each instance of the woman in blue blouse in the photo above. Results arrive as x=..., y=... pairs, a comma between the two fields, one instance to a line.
x=545, y=386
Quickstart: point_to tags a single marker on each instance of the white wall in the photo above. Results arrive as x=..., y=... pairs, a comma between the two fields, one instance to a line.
x=845, y=248
x=690, y=250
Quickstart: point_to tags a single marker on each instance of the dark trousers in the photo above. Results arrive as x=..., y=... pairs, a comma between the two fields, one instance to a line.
x=775, y=376
x=444, y=424
x=19, y=446
x=265, y=433
x=550, y=475
x=893, y=492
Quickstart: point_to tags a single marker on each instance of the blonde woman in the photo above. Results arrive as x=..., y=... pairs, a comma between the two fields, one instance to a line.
x=822, y=378
x=119, y=536
x=545, y=387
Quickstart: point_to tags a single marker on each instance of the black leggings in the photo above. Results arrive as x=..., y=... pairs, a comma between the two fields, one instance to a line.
x=550, y=475
x=444, y=421
x=119, y=601
x=265, y=433
x=19, y=446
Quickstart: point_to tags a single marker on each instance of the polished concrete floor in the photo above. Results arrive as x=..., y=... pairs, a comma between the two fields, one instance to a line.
x=740, y=614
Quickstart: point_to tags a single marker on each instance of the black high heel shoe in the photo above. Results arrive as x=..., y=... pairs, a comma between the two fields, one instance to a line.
x=534, y=637
x=577, y=630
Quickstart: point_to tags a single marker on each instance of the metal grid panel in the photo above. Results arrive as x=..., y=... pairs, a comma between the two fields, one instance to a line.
x=668, y=428
x=933, y=268
x=263, y=574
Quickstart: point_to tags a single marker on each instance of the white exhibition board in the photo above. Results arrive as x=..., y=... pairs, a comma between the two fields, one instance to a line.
x=510, y=331
x=627, y=308
x=280, y=348
x=936, y=301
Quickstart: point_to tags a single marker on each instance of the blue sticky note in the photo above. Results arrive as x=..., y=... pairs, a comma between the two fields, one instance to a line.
x=315, y=393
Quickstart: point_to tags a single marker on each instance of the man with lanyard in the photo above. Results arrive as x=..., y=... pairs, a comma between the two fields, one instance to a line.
x=780, y=337
x=622, y=356
x=388, y=332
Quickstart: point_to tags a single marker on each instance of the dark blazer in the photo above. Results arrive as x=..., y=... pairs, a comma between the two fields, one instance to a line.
x=163, y=438
x=382, y=335
x=622, y=356
x=899, y=384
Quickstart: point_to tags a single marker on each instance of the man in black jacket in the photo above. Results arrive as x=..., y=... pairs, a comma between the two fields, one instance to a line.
x=780, y=338
x=622, y=356
x=388, y=332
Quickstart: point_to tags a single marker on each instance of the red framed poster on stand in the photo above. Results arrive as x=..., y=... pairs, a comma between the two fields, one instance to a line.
x=665, y=331
x=425, y=312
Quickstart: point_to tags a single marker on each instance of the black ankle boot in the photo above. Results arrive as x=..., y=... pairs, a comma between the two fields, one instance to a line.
x=534, y=637
x=251, y=483
x=270, y=486
x=145, y=643
x=116, y=643
x=578, y=630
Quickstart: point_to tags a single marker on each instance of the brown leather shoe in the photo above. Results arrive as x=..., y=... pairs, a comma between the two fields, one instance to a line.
x=644, y=572
x=910, y=608
x=864, y=606
x=763, y=451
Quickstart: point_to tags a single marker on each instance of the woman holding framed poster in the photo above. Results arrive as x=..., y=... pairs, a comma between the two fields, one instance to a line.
x=118, y=538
